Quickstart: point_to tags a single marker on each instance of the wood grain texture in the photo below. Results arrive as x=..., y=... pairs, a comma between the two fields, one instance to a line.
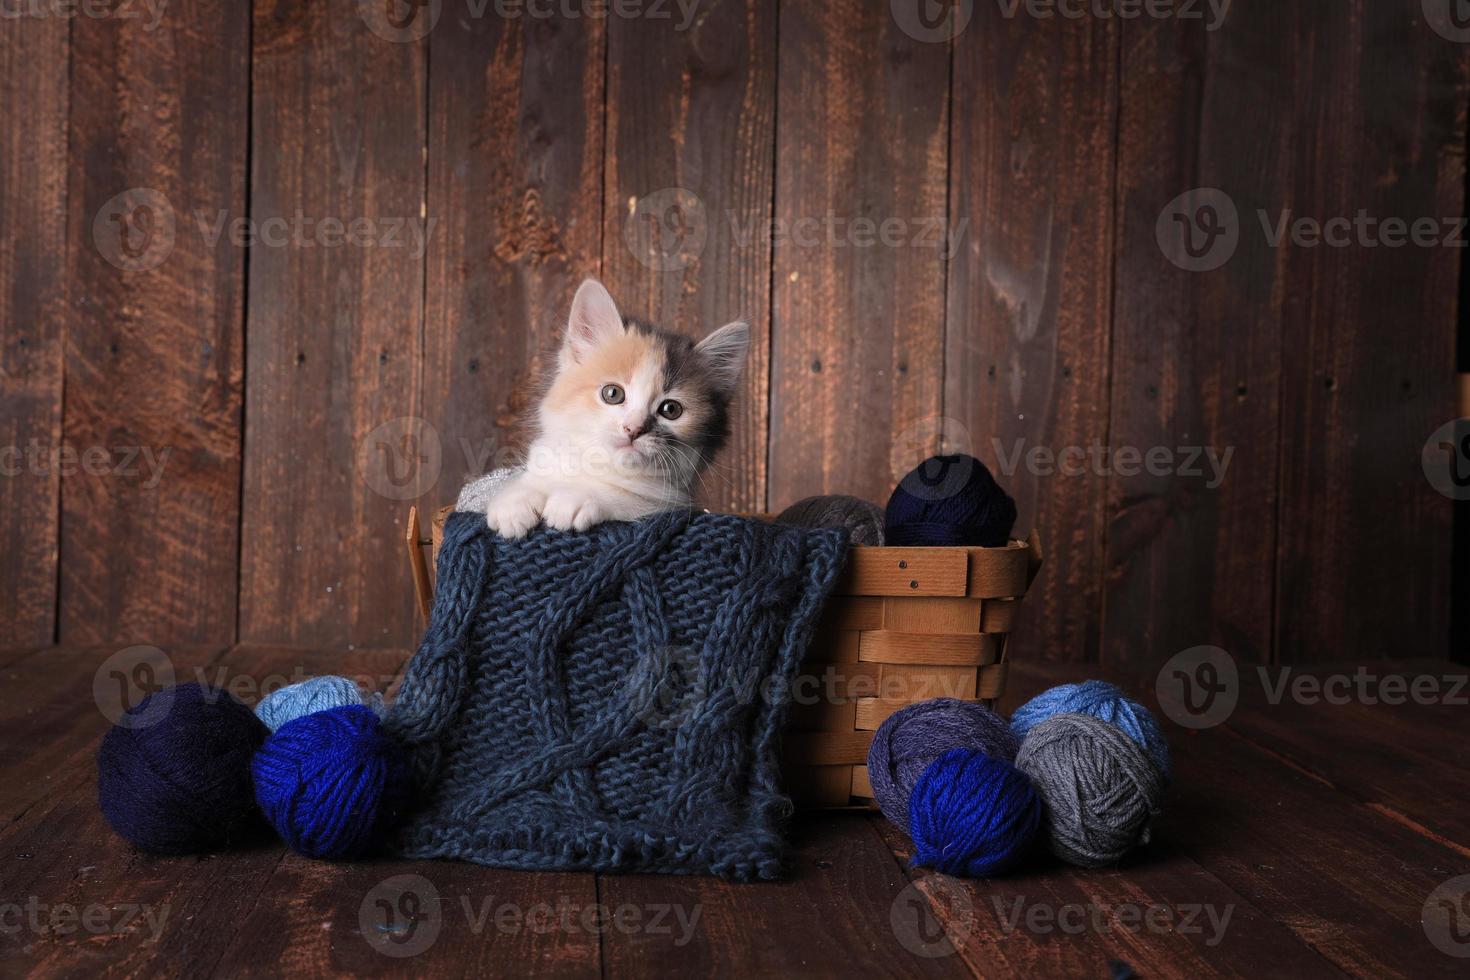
x=890, y=646
x=149, y=914
x=1460, y=588
x=149, y=531
x=857, y=339
x=515, y=184
x=415, y=919
x=10, y=655
x=1372, y=734
x=691, y=107
x=1046, y=149
x=1197, y=354
x=1293, y=845
x=1369, y=346
x=904, y=571
x=158, y=914
x=839, y=900
x=60, y=702
x=33, y=81
x=1055, y=921
x=1029, y=302
x=335, y=441
x=387, y=917
x=1262, y=861
x=1308, y=871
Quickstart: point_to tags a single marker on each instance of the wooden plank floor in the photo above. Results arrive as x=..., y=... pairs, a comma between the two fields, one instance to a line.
x=1304, y=839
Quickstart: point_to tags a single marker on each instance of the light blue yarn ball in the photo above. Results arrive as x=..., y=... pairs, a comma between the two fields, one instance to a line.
x=1103, y=701
x=308, y=697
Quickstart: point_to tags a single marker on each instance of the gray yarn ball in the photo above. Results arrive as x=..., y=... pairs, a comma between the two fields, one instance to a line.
x=863, y=520
x=1100, y=788
x=914, y=736
x=475, y=496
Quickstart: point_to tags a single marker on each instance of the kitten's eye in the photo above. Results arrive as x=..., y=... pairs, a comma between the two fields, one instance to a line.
x=670, y=409
x=612, y=394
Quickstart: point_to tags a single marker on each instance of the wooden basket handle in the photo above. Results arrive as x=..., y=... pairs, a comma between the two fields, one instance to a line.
x=422, y=584
x=1033, y=541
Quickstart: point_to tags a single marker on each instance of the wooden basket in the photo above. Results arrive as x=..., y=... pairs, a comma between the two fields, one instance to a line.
x=902, y=625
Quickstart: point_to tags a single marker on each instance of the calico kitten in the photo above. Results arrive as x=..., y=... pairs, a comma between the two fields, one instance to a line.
x=632, y=416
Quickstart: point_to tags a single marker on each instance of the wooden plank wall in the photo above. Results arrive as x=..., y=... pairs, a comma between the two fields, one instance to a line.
x=334, y=332
x=945, y=234
x=159, y=114
x=32, y=297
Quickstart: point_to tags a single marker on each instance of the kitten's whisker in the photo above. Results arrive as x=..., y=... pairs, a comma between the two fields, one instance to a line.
x=706, y=467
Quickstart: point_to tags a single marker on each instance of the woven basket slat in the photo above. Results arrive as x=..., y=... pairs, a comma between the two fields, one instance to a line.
x=934, y=649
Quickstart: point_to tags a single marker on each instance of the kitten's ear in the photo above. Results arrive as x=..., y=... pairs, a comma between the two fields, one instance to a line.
x=724, y=352
x=594, y=320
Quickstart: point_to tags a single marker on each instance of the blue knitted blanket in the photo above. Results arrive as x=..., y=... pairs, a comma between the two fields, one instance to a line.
x=611, y=700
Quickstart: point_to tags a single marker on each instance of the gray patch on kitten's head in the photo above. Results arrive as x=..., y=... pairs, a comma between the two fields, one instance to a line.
x=710, y=367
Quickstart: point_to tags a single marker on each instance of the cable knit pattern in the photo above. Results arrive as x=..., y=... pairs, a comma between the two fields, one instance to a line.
x=611, y=700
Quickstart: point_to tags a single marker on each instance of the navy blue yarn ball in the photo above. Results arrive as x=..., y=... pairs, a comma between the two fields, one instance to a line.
x=332, y=782
x=949, y=500
x=973, y=815
x=173, y=775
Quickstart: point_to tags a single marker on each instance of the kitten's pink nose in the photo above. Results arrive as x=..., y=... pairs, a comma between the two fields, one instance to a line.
x=632, y=432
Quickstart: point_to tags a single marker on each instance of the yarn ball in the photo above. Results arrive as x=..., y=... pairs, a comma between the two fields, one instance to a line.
x=972, y=815
x=1099, y=788
x=863, y=519
x=173, y=776
x=913, y=737
x=476, y=494
x=309, y=696
x=331, y=782
x=949, y=500
x=1101, y=700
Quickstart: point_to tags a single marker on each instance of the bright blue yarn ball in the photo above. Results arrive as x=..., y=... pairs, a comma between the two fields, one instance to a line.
x=298, y=700
x=331, y=782
x=973, y=815
x=1103, y=701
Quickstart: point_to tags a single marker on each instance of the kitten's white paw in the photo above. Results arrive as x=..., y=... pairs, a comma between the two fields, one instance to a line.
x=572, y=512
x=514, y=511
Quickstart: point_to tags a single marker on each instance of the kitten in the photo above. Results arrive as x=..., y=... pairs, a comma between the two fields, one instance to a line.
x=632, y=416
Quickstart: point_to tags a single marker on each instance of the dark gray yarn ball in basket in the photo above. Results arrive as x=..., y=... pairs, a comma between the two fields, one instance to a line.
x=863, y=520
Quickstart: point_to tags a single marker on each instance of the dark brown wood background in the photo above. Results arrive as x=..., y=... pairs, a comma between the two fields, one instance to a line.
x=303, y=391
